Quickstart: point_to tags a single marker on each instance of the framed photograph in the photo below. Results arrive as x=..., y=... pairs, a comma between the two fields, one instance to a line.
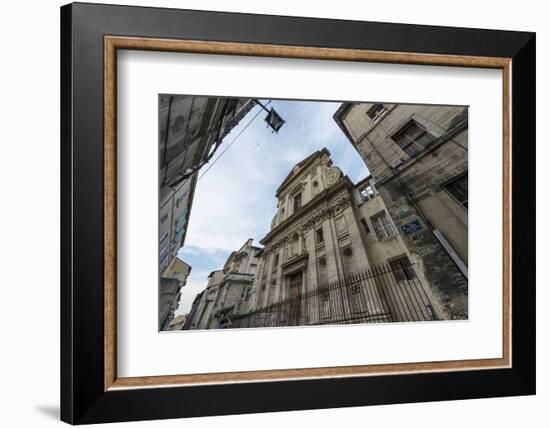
x=266, y=213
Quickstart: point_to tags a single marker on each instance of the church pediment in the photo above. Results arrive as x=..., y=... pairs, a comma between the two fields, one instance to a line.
x=299, y=167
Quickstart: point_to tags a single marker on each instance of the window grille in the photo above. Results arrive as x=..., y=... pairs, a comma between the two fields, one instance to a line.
x=402, y=268
x=382, y=226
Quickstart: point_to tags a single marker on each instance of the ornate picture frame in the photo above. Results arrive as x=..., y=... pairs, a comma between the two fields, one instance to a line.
x=91, y=389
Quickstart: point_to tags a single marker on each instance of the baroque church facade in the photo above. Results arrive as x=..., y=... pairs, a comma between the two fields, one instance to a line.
x=315, y=237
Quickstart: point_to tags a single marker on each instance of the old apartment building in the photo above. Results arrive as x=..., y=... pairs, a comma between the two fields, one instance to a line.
x=228, y=291
x=174, y=278
x=177, y=323
x=418, y=155
x=190, y=131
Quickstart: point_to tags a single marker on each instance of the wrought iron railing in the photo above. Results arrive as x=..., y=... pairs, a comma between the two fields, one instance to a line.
x=386, y=293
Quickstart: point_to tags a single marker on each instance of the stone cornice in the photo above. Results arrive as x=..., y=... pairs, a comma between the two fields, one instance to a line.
x=295, y=263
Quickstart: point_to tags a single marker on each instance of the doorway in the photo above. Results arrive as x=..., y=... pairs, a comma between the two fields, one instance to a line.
x=295, y=301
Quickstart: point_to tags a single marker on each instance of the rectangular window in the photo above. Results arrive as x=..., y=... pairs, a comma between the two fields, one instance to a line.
x=365, y=225
x=319, y=236
x=413, y=138
x=297, y=202
x=179, y=200
x=402, y=269
x=458, y=188
x=275, y=260
x=367, y=193
x=376, y=112
x=382, y=226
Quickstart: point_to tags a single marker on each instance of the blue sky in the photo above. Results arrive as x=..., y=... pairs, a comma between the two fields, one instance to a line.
x=235, y=199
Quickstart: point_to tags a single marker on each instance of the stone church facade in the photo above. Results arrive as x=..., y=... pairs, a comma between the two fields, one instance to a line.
x=315, y=237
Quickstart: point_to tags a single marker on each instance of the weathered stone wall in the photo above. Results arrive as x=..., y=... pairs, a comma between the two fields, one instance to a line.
x=379, y=252
x=423, y=180
x=412, y=189
x=445, y=280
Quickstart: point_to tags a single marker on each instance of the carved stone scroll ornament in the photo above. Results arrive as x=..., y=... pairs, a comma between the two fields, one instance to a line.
x=311, y=222
x=332, y=174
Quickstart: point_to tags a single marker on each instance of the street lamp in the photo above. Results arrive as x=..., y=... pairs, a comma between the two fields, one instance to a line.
x=273, y=119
